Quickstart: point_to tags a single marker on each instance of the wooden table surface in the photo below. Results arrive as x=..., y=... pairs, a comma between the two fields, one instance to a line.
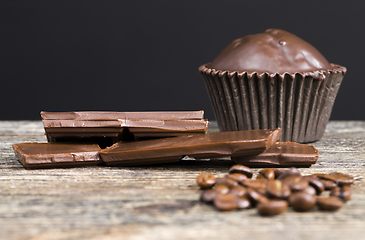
x=161, y=202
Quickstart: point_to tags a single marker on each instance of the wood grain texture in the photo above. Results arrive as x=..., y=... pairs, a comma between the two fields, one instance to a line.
x=161, y=202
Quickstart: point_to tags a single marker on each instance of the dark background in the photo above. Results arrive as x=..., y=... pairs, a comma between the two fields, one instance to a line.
x=145, y=55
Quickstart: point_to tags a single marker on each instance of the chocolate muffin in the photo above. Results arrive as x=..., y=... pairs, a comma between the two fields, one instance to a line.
x=273, y=79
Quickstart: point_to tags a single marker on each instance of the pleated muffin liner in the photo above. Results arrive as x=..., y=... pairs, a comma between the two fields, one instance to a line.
x=299, y=103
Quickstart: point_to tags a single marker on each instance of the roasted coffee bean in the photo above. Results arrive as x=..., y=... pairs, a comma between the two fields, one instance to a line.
x=339, y=179
x=316, y=183
x=220, y=188
x=261, y=190
x=225, y=202
x=238, y=191
x=329, y=203
x=277, y=189
x=341, y=174
x=343, y=179
x=292, y=171
x=309, y=190
x=296, y=183
x=278, y=172
x=243, y=203
x=328, y=184
x=205, y=180
x=346, y=193
x=272, y=207
x=343, y=192
x=336, y=192
x=273, y=190
x=241, y=169
x=229, y=182
x=255, y=197
x=302, y=201
x=267, y=173
x=255, y=183
x=238, y=177
x=208, y=195
x=326, y=177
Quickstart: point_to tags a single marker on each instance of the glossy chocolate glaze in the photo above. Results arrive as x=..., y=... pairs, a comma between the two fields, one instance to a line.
x=235, y=143
x=273, y=51
x=282, y=154
x=46, y=155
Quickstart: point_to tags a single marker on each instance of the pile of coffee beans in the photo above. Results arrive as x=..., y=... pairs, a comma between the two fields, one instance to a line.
x=274, y=190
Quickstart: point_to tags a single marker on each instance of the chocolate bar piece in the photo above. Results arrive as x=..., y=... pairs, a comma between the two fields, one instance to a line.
x=282, y=154
x=97, y=115
x=235, y=143
x=52, y=155
x=134, y=125
x=106, y=128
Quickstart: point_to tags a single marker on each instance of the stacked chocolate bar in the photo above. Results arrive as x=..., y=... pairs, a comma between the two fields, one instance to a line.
x=144, y=138
x=107, y=128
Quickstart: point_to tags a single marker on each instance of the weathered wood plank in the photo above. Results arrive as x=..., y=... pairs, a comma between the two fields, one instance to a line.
x=161, y=202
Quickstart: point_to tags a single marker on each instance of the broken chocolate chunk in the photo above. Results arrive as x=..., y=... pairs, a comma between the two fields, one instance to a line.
x=235, y=143
x=52, y=155
x=282, y=154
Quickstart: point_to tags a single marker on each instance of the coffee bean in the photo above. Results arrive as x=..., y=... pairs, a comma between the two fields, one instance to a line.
x=339, y=179
x=277, y=189
x=225, y=202
x=316, y=183
x=336, y=192
x=238, y=177
x=267, y=173
x=346, y=193
x=278, y=172
x=255, y=183
x=243, y=203
x=342, y=192
x=261, y=190
x=273, y=190
x=343, y=179
x=241, y=169
x=208, y=195
x=272, y=207
x=302, y=201
x=220, y=188
x=309, y=190
x=238, y=191
x=292, y=171
x=328, y=184
x=329, y=203
x=255, y=197
x=226, y=181
x=341, y=174
x=296, y=183
x=326, y=177
x=205, y=180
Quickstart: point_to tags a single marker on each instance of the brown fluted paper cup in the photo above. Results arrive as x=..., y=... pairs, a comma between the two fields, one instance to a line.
x=300, y=103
